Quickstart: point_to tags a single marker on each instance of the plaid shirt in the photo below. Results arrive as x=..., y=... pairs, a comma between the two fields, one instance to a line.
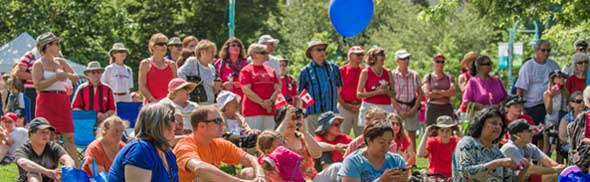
x=406, y=87
x=322, y=83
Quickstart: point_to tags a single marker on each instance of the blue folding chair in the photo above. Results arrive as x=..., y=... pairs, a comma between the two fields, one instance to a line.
x=84, y=122
x=129, y=111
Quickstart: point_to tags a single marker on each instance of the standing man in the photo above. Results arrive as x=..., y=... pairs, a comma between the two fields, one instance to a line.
x=533, y=79
x=94, y=95
x=25, y=67
x=322, y=81
x=348, y=103
x=408, y=89
x=272, y=60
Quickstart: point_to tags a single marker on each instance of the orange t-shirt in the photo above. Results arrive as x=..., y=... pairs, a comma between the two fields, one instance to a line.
x=96, y=151
x=218, y=151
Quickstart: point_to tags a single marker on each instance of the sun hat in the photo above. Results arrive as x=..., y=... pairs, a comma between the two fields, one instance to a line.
x=445, y=122
x=179, y=83
x=312, y=44
x=174, y=41
x=46, y=38
x=326, y=119
x=266, y=39
x=92, y=66
x=118, y=47
x=224, y=97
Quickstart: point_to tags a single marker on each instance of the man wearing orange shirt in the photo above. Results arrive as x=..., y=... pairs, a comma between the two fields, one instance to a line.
x=200, y=155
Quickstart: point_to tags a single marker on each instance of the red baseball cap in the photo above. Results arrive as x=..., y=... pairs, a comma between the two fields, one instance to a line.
x=9, y=116
x=355, y=50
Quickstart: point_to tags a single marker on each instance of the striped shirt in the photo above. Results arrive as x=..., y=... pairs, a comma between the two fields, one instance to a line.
x=102, y=98
x=322, y=83
x=27, y=62
x=405, y=87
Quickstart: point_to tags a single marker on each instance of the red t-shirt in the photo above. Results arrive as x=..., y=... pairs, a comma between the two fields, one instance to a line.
x=373, y=82
x=336, y=155
x=402, y=144
x=573, y=84
x=261, y=80
x=350, y=80
x=441, y=155
x=227, y=71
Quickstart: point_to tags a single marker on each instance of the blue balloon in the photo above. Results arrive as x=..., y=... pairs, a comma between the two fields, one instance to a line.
x=350, y=17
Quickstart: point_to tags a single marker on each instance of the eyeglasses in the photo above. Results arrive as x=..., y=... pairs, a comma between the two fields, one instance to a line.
x=161, y=44
x=545, y=50
x=216, y=121
x=234, y=45
x=582, y=62
x=440, y=62
x=320, y=50
x=577, y=101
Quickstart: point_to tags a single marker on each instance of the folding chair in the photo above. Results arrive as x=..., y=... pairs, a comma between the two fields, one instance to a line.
x=129, y=111
x=84, y=122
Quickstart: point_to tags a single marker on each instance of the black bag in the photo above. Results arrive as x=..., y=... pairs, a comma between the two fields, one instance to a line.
x=199, y=94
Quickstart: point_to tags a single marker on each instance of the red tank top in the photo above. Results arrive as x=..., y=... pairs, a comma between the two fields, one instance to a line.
x=157, y=80
x=373, y=82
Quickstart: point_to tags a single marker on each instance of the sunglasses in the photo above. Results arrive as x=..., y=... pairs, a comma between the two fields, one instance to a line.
x=439, y=62
x=578, y=101
x=396, y=123
x=336, y=124
x=358, y=54
x=161, y=44
x=115, y=52
x=216, y=121
x=54, y=43
x=262, y=52
x=545, y=50
x=234, y=45
x=485, y=64
x=582, y=62
x=320, y=50
x=404, y=59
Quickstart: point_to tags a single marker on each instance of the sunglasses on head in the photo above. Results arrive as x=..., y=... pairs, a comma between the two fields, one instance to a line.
x=161, y=44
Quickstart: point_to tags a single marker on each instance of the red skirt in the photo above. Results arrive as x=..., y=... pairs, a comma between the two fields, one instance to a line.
x=56, y=108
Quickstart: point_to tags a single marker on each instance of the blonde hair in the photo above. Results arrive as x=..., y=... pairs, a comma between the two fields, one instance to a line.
x=204, y=45
x=154, y=39
x=188, y=39
x=256, y=48
x=153, y=119
x=110, y=122
x=265, y=140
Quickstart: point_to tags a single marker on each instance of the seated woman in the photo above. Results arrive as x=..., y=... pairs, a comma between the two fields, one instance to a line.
x=438, y=146
x=579, y=137
x=402, y=140
x=106, y=146
x=477, y=157
x=39, y=157
x=576, y=106
x=332, y=140
x=374, y=163
x=149, y=156
x=298, y=139
x=372, y=116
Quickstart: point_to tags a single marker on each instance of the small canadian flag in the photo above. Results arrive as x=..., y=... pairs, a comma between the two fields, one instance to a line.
x=281, y=101
x=306, y=98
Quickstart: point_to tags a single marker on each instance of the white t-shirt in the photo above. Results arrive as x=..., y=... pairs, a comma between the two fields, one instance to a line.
x=533, y=78
x=185, y=111
x=118, y=77
x=233, y=127
x=19, y=136
x=192, y=67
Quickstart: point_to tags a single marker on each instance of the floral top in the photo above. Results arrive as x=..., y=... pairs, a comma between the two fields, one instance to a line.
x=470, y=162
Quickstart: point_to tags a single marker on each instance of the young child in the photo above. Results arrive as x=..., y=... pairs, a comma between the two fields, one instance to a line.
x=279, y=163
x=237, y=130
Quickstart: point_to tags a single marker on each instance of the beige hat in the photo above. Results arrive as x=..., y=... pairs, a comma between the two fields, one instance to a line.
x=118, y=47
x=46, y=38
x=174, y=41
x=179, y=83
x=93, y=65
x=312, y=44
x=445, y=122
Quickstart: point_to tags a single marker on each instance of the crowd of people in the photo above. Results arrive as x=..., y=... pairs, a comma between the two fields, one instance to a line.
x=241, y=109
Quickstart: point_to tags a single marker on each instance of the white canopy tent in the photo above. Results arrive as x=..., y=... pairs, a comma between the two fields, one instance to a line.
x=12, y=51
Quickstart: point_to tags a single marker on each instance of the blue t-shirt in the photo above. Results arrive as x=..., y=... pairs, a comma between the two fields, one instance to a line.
x=357, y=166
x=142, y=154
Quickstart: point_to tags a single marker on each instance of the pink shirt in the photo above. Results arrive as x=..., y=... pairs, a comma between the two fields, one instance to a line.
x=486, y=92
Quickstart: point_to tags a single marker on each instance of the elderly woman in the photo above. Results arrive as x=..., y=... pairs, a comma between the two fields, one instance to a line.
x=576, y=106
x=375, y=84
x=104, y=149
x=156, y=71
x=579, y=137
x=200, y=70
x=261, y=87
x=178, y=97
x=438, y=87
x=39, y=157
x=577, y=81
x=232, y=58
x=149, y=156
x=477, y=157
x=297, y=138
x=118, y=75
x=483, y=90
x=53, y=77
x=332, y=140
x=360, y=165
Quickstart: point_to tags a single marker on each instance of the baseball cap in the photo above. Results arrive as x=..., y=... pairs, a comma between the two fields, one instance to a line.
x=39, y=123
x=9, y=116
x=518, y=126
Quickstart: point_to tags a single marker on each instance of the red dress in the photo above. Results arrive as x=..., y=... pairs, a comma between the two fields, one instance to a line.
x=157, y=80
